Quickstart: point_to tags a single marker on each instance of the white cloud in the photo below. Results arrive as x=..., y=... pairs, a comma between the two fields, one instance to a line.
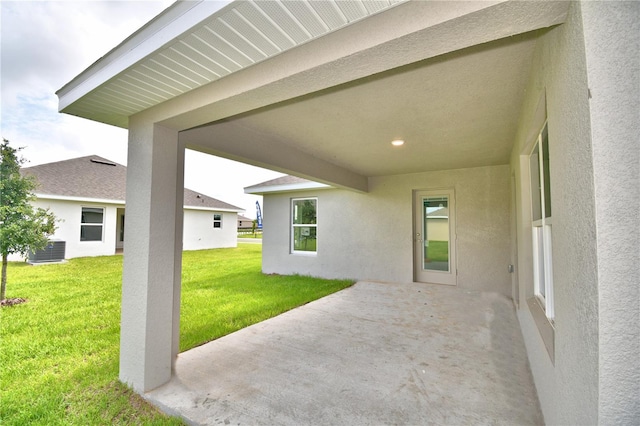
x=43, y=46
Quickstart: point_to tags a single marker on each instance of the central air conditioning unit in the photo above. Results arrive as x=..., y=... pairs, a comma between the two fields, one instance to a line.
x=53, y=252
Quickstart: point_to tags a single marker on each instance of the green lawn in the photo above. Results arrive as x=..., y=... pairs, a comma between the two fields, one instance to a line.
x=438, y=251
x=59, y=351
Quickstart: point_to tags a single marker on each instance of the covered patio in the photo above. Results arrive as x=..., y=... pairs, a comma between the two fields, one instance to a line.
x=245, y=81
x=480, y=91
x=375, y=353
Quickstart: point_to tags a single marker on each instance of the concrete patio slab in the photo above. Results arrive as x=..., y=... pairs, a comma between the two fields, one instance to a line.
x=372, y=354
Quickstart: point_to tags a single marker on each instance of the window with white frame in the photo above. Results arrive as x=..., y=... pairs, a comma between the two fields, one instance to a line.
x=217, y=220
x=91, y=224
x=304, y=225
x=541, y=222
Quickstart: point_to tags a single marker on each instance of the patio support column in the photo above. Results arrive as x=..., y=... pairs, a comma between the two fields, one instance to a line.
x=149, y=335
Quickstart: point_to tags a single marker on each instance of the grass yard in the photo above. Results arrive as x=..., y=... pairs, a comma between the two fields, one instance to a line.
x=438, y=251
x=59, y=351
x=257, y=235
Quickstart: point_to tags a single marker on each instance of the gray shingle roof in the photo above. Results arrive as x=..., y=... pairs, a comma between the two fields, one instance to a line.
x=96, y=177
x=195, y=199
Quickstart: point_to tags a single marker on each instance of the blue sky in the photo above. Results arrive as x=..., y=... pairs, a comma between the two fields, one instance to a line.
x=44, y=45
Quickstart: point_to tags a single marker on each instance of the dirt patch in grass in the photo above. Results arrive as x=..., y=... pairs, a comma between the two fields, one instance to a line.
x=13, y=301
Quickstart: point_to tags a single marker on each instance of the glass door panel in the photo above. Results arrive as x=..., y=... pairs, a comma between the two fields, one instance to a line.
x=434, y=236
x=436, y=233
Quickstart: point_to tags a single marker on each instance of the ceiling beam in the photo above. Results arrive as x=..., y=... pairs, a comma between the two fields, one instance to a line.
x=229, y=140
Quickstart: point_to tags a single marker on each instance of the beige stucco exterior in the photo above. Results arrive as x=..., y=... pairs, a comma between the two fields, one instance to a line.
x=559, y=73
x=376, y=229
x=561, y=89
x=576, y=83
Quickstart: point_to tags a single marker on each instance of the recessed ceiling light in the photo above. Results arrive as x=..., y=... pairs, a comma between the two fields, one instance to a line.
x=397, y=142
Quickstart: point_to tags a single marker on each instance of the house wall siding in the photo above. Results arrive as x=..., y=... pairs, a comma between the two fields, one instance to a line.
x=68, y=228
x=369, y=236
x=200, y=234
x=569, y=387
x=612, y=40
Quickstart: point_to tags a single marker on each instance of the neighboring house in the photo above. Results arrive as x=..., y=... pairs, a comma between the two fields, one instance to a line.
x=522, y=115
x=436, y=224
x=87, y=195
x=244, y=223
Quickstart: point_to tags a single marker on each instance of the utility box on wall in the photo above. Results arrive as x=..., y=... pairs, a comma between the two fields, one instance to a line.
x=53, y=252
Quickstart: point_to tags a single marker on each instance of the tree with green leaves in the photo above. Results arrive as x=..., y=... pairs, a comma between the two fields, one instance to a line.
x=23, y=227
x=308, y=213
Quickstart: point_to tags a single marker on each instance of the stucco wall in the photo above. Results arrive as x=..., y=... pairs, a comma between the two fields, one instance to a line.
x=568, y=388
x=200, y=234
x=612, y=40
x=69, y=213
x=370, y=235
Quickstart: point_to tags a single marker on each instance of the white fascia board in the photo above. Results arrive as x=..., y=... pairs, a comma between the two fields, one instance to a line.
x=156, y=34
x=78, y=199
x=119, y=202
x=214, y=209
x=285, y=188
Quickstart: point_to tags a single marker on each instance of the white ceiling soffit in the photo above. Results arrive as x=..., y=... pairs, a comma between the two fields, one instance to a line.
x=233, y=37
x=261, y=189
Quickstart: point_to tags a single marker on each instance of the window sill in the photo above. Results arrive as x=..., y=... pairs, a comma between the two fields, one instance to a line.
x=545, y=326
x=304, y=253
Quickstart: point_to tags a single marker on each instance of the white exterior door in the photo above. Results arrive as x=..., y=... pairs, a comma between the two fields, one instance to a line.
x=434, y=237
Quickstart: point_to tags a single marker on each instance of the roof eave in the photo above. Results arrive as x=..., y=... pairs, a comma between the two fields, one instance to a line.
x=157, y=33
x=78, y=199
x=292, y=187
x=213, y=209
x=122, y=202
